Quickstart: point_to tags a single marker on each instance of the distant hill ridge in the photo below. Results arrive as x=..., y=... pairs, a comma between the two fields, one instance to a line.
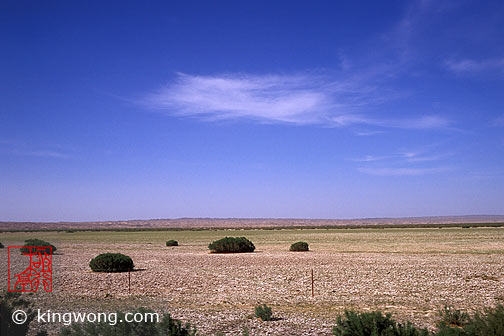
x=195, y=223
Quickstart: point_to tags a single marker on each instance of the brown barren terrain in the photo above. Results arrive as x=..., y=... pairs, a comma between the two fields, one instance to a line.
x=199, y=223
x=411, y=273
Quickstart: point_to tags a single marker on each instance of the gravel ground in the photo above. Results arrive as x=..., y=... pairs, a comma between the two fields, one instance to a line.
x=217, y=293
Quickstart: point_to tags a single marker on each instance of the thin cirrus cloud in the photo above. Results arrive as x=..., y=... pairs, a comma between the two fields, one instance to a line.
x=20, y=149
x=47, y=154
x=371, y=158
x=303, y=99
x=368, y=133
x=402, y=157
x=427, y=158
x=401, y=171
x=469, y=66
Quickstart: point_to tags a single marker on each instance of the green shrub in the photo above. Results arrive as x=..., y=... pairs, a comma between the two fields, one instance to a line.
x=488, y=323
x=375, y=324
x=1, y=245
x=166, y=327
x=111, y=262
x=37, y=242
x=299, y=247
x=263, y=312
x=232, y=245
x=452, y=317
x=9, y=303
x=172, y=243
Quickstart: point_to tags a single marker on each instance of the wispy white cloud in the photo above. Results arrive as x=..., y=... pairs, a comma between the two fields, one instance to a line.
x=401, y=42
x=368, y=133
x=401, y=171
x=468, y=66
x=47, y=153
x=303, y=99
x=287, y=99
x=402, y=157
x=21, y=149
x=426, y=158
x=371, y=158
x=403, y=163
x=344, y=98
x=423, y=122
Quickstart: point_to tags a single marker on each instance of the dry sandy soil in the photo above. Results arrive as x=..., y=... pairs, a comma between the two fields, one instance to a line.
x=411, y=273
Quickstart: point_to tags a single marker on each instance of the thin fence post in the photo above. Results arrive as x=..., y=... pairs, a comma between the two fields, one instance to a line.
x=312, y=290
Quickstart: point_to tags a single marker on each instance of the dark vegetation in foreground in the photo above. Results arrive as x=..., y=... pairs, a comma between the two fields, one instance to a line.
x=373, y=324
x=167, y=326
x=452, y=322
x=286, y=227
x=9, y=303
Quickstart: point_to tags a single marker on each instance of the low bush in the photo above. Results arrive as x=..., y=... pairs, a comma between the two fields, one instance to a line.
x=263, y=312
x=172, y=243
x=451, y=317
x=9, y=303
x=1, y=245
x=299, y=247
x=231, y=245
x=488, y=323
x=37, y=242
x=166, y=327
x=375, y=324
x=111, y=262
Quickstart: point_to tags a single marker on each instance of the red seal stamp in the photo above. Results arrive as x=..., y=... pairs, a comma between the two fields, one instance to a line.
x=36, y=264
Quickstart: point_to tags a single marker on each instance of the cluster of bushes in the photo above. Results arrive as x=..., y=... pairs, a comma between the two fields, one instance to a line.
x=242, y=244
x=166, y=327
x=490, y=322
x=453, y=323
x=117, y=262
x=111, y=262
x=375, y=324
x=38, y=242
x=231, y=245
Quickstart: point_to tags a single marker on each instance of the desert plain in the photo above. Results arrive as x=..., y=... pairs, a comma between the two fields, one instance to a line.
x=411, y=273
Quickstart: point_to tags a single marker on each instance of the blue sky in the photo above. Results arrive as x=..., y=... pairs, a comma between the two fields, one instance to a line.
x=321, y=109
